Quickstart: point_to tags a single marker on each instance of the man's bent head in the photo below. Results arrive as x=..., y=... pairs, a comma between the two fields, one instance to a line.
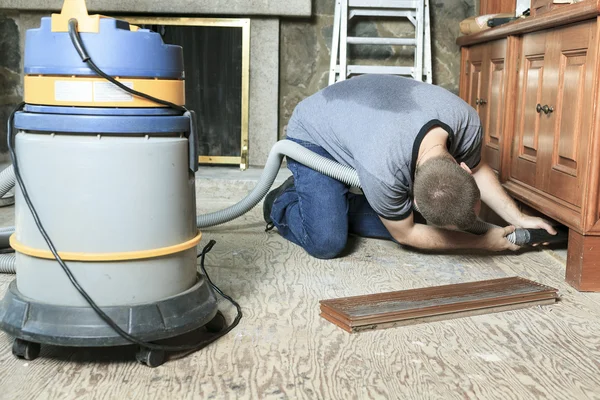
x=446, y=194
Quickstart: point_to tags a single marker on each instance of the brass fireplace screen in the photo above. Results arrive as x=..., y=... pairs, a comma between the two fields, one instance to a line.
x=217, y=68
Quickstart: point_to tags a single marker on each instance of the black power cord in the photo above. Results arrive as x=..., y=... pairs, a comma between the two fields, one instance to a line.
x=78, y=44
x=76, y=39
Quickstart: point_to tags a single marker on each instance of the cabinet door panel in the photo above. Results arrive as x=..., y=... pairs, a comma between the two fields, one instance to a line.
x=532, y=96
x=475, y=65
x=571, y=118
x=494, y=103
x=569, y=104
x=525, y=159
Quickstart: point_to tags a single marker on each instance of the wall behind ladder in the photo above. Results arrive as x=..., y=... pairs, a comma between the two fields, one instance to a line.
x=306, y=44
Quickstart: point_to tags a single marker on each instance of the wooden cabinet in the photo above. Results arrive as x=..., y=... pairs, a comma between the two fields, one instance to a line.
x=540, y=86
x=484, y=90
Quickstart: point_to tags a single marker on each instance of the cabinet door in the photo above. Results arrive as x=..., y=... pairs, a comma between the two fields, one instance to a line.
x=567, y=128
x=475, y=63
x=525, y=156
x=492, y=102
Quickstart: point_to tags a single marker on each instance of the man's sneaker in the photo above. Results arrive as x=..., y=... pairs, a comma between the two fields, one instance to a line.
x=270, y=199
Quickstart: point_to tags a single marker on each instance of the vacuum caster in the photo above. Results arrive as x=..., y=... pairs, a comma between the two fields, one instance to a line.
x=216, y=324
x=151, y=358
x=24, y=349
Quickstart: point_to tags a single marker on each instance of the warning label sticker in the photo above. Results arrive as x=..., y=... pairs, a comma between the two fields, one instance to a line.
x=73, y=91
x=108, y=92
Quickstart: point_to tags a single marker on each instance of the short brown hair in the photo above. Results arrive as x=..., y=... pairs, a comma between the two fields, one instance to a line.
x=445, y=193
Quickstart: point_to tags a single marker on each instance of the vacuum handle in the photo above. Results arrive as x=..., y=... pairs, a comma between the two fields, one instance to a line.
x=193, y=141
x=542, y=236
x=533, y=236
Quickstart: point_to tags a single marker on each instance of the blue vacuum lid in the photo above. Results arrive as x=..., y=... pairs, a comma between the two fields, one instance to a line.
x=103, y=121
x=115, y=49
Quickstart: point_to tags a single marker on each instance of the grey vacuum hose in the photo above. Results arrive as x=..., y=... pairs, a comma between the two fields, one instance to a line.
x=519, y=236
x=280, y=149
x=7, y=263
x=7, y=180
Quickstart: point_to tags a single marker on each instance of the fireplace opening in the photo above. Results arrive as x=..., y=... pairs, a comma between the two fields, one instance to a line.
x=216, y=62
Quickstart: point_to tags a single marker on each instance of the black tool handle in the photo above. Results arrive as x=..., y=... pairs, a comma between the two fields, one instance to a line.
x=542, y=236
x=499, y=21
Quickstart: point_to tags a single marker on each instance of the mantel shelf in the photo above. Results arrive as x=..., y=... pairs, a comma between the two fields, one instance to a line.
x=289, y=8
x=561, y=16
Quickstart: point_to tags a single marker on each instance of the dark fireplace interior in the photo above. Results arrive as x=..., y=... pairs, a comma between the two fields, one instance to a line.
x=213, y=83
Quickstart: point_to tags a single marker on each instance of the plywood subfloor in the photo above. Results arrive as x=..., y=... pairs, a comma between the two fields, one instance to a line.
x=284, y=350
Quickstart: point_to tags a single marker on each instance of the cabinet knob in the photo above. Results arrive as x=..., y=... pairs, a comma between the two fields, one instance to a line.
x=547, y=109
x=482, y=101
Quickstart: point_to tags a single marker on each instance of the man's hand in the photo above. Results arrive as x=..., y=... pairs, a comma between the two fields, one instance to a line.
x=529, y=222
x=495, y=239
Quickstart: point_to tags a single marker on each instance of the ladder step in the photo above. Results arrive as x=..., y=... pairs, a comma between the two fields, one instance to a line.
x=379, y=69
x=381, y=13
x=415, y=11
x=383, y=4
x=377, y=40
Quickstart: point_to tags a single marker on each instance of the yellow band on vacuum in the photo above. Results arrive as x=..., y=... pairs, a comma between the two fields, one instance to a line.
x=84, y=91
x=96, y=257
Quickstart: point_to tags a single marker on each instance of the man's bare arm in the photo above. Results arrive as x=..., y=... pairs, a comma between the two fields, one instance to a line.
x=493, y=194
x=427, y=237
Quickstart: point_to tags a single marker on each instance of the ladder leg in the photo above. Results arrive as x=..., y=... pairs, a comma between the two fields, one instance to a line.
x=343, y=40
x=335, y=44
x=428, y=66
x=419, y=30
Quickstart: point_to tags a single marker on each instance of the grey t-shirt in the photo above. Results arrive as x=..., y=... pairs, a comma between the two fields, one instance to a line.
x=375, y=124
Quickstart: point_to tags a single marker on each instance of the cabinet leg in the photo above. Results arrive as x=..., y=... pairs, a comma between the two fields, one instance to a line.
x=583, y=262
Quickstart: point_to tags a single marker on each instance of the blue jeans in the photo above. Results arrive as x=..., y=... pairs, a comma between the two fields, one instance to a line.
x=318, y=212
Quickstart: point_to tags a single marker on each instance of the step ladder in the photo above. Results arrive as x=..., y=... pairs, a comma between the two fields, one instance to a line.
x=417, y=12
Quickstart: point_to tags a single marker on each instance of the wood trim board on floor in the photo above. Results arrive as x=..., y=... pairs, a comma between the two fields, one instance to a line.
x=408, y=307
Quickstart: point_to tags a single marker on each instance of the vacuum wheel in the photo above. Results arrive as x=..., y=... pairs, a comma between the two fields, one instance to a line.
x=217, y=324
x=24, y=349
x=150, y=357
